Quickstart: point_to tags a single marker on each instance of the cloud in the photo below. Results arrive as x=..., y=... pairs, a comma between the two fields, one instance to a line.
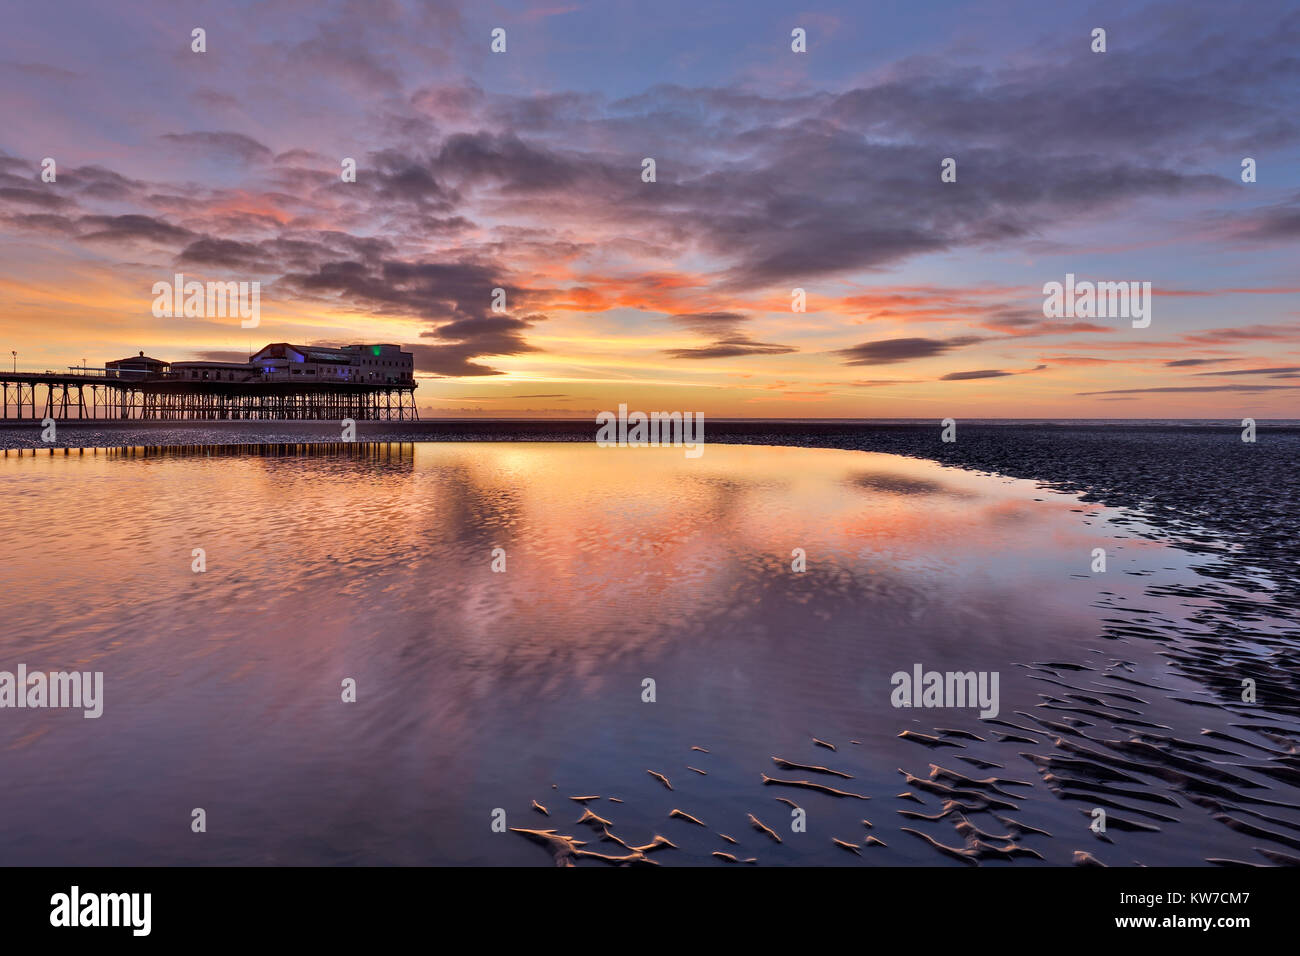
x=98, y=183
x=1276, y=372
x=28, y=196
x=1079, y=360
x=505, y=396
x=471, y=338
x=433, y=290
x=399, y=177
x=510, y=163
x=876, y=382
x=724, y=329
x=1192, y=388
x=1023, y=324
x=131, y=227
x=1250, y=333
x=891, y=351
x=221, y=252
x=1279, y=222
x=229, y=146
x=986, y=373
x=966, y=376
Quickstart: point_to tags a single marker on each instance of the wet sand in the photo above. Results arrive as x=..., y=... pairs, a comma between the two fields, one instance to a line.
x=1120, y=692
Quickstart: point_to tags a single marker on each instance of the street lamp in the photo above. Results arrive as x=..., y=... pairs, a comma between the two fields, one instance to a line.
x=15, y=355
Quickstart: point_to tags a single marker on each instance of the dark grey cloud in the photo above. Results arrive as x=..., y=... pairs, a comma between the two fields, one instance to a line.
x=510, y=163
x=483, y=327
x=1279, y=222
x=42, y=222
x=457, y=360
x=812, y=202
x=432, y=290
x=1255, y=371
x=1243, y=333
x=986, y=373
x=226, y=253
x=98, y=182
x=504, y=396
x=130, y=228
x=1193, y=388
x=1024, y=323
x=399, y=177
x=1193, y=87
x=542, y=111
x=731, y=348
x=710, y=324
x=47, y=198
x=891, y=351
x=286, y=253
x=966, y=376
x=729, y=341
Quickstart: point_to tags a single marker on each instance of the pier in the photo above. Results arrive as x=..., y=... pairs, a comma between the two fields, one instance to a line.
x=282, y=382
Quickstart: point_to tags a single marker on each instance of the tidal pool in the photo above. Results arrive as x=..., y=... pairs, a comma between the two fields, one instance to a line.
x=628, y=574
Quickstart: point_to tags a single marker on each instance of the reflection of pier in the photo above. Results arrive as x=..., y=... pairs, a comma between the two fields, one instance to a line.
x=281, y=382
x=379, y=452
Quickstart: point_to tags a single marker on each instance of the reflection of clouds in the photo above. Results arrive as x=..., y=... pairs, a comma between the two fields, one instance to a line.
x=614, y=555
x=1010, y=512
x=895, y=484
x=475, y=686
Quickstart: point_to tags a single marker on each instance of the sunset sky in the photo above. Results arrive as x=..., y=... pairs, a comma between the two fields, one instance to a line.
x=775, y=170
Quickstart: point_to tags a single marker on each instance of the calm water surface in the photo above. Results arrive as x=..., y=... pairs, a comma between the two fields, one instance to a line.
x=480, y=690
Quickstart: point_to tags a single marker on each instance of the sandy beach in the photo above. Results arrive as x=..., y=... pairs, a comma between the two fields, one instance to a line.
x=771, y=738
